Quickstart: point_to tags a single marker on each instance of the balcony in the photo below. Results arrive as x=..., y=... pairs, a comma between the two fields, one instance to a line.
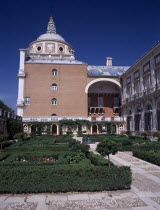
x=56, y=119
x=96, y=110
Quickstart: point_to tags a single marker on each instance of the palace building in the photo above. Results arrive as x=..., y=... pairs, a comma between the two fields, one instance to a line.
x=53, y=86
x=141, y=93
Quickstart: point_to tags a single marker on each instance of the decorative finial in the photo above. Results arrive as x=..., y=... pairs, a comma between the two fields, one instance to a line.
x=51, y=28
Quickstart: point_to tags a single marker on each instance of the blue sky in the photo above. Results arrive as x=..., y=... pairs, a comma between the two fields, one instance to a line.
x=123, y=30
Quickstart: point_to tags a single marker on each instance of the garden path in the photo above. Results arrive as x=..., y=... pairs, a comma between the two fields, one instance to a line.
x=143, y=195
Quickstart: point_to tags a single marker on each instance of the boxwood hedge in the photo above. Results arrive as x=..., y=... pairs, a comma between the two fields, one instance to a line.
x=150, y=156
x=63, y=178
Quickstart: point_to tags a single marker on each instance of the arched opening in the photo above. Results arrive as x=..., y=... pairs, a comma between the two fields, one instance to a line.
x=54, y=87
x=113, y=129
x=104, y=99
x=158, y=115
x=53, y=115
x=54, y=130
x=148, y=117
x=33, y=129
x=54, y=101
x=54, y=72
x=137, y=118
x=94, y=129
x=129, y=119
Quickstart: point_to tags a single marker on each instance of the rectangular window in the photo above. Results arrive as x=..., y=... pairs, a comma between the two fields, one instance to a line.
x=27, y=100
x=146, y=67
x=129, y=91
x=100, y=101
x=157, y=60
x=116, y=102
x=146, y=81
x=136, y=87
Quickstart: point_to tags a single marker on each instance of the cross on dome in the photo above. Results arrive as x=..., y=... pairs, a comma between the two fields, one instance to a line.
x=51, y=28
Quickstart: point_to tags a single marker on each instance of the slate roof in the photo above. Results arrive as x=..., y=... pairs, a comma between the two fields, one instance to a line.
x=106, y=71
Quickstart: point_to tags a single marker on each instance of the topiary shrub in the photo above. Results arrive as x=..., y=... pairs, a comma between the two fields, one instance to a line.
x=107, y=147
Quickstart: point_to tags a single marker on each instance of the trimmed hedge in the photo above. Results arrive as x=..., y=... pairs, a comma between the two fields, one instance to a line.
x=98, y=160
x=63, y=179
x=150, y=156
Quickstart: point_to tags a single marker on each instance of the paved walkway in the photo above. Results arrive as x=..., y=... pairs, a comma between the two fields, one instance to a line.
x=144, y=193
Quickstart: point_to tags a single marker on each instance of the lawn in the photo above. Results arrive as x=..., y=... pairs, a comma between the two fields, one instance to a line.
x=57, y=164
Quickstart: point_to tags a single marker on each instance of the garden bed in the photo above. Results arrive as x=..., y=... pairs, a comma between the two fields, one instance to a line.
x=49, y=164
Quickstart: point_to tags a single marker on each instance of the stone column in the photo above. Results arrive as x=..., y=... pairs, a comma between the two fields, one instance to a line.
x=142, y=124
x=21, y=75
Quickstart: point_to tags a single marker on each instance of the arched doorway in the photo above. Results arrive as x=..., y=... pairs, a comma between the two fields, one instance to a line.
x=114, y=130
x=54, y=130
x=94, y=129
x=33, y=129
x=148, y=117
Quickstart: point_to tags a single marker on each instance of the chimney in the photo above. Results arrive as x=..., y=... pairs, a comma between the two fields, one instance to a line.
x=108, y=61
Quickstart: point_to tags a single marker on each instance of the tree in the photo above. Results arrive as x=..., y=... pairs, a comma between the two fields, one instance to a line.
x=2, y=139
x=107, y=147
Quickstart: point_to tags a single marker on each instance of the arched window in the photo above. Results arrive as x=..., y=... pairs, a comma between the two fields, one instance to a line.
x=54, y=72
x=54, y=101
x=53, y=115
x=138, y=110
x=54, y=87
x=148, y=107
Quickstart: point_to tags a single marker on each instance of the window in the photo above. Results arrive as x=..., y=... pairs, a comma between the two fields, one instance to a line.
x=146, y=81
x=54, y=87
x=39, y=48
x=53, y=115
x=54, y=72
x=136, y=87
x=54, y=101
x=61, y=49
x=148, y=107
x=116, y=102
x=27, y=101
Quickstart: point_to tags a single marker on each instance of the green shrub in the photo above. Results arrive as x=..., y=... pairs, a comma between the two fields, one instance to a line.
x=156, y=134
x=73, y=158
x=98, y=160
x=126, y=142
x=150, y=156
x=43, y=179
x=21, y=136
x=77, y=146
x=107, y=147
x=3, y=137
x=128, y=133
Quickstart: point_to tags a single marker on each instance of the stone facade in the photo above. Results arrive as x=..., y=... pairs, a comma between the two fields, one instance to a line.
x=141, y=93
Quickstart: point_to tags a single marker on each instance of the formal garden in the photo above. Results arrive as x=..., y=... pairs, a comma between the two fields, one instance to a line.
x=57, y=164
x=46, y=163
x=141, y=146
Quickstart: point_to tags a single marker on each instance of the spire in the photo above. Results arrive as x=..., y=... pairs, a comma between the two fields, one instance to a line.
x=51, y=28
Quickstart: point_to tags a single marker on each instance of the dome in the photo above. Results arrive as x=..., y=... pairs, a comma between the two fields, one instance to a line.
x=50, y=36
